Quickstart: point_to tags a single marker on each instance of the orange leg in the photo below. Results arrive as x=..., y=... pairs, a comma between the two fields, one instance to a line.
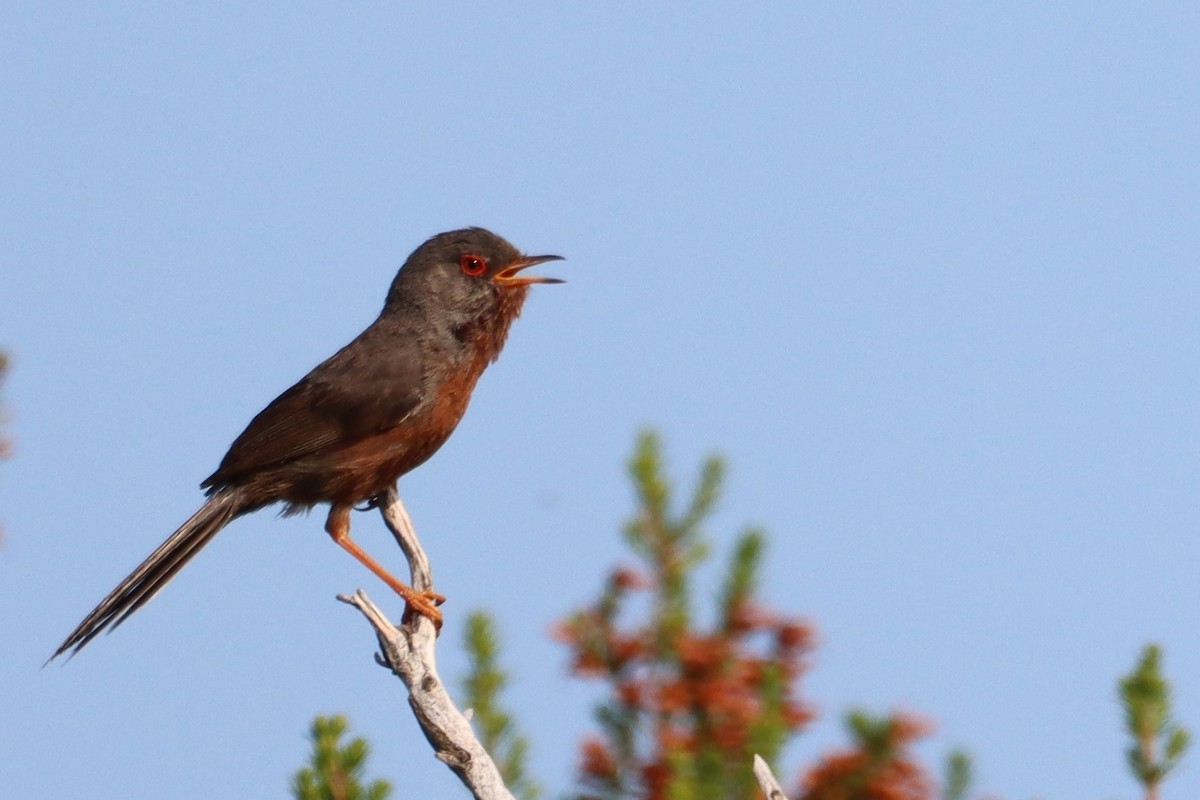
x=424, y=602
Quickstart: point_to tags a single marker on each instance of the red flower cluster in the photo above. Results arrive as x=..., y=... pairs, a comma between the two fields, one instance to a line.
x=688, y=706
x=681, y=699
x=877, y=768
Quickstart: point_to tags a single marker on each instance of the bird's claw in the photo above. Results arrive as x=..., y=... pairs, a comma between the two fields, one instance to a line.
x=370, y=504
x=424, y=602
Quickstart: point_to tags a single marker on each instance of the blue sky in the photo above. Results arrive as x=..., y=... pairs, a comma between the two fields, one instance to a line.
x=925, y=273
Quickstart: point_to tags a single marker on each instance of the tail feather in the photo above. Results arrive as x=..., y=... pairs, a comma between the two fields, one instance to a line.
x=154, y=573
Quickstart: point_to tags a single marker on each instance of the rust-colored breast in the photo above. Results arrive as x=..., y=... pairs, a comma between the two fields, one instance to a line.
x=357, y=471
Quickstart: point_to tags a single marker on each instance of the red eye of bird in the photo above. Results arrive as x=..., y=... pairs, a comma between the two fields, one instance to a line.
x=472, y=265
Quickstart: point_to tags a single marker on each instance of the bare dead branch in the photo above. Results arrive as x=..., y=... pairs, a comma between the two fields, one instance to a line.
x=766, y=780
x=408, y=651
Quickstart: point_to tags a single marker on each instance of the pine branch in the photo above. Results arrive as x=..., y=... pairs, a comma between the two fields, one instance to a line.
x=1159, y=743
x=335, y=771
x=482, y=687
x=688, y=705
x=958, y=776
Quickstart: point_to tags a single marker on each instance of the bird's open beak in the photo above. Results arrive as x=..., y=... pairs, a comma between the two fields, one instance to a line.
x=509, y=277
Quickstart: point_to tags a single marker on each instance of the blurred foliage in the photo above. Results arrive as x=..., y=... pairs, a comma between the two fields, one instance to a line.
x=687, y=706
x=879, y=764
x=493, y=725
x=5, y=444
x=1159, y=743
x=334, y=771
x=958, y=776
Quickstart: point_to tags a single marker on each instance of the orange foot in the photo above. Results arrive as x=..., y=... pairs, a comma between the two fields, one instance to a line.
x=424, y=602
x=418, y=601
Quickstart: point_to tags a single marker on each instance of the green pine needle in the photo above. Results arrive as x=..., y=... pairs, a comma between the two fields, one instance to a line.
x=335, y=771
x=482, y=686
x=958, y=775
x=1146, y=700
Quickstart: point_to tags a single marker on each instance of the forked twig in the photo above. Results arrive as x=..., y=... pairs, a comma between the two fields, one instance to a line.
x=408, y=651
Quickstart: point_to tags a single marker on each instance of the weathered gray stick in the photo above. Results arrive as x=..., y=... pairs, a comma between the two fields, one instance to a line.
x=408, y=651
x=766, y=780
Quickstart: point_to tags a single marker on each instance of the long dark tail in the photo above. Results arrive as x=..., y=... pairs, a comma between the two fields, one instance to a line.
x=153, y=574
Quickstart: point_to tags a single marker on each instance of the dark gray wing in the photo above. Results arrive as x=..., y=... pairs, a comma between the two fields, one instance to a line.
x=368, y=386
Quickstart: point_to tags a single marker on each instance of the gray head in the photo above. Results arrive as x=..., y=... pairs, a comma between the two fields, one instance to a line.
x=465, y=274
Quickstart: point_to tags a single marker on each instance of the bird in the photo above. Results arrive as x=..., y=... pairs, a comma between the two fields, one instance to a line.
x=373, y=411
